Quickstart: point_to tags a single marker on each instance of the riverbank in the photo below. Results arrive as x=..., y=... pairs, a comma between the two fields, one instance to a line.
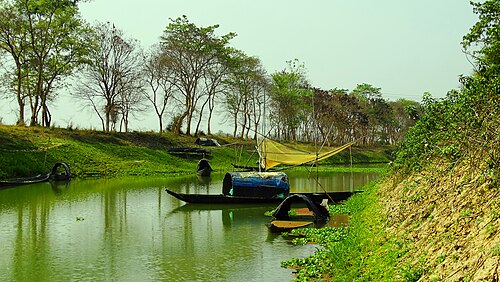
x=441, y=223
x=27, y=151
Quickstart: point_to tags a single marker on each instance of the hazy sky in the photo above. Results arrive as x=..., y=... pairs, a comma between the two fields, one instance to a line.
x=404, y=47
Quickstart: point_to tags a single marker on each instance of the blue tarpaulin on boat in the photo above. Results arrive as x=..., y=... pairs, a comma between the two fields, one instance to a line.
x=256, y=184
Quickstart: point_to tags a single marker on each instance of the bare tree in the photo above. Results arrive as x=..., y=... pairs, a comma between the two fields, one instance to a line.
x=157, y=80
x=109, y=82
x=213, y=85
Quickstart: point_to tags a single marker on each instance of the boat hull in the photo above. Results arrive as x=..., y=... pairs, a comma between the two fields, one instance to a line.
x=221, y=199
x=227, y=199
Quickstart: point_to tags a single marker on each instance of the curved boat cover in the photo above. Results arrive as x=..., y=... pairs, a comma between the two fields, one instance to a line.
x=319, y=211
x=256, y=184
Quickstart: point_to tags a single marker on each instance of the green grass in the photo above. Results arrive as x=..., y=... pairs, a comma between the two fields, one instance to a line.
x=30, y=151
x=364, y=252
x=27, y=151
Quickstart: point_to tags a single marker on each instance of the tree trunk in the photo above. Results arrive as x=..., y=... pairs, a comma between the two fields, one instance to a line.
x=34, y=111
x=201, y=116
x=180, y=121
x=160, y=119
x=20, y=100
x=235, y=124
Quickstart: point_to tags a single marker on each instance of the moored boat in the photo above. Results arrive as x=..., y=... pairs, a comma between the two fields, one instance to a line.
x=287, y=225
x=256, y=199
x=54, y=175
x=203, y=168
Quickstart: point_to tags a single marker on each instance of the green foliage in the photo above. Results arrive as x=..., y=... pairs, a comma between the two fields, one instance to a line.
x=322, y=236
x=361, y=251
x=338, y=209
x=465, y=123
x=290, y=99
x=367, y=92
x=30, y=151
x=485, y=35
x=495, y=250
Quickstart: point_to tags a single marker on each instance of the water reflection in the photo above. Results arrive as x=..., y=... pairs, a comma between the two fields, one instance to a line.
x=304, y=181
x=130, y=229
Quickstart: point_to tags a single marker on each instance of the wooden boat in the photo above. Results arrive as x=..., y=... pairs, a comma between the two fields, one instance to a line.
x=228, y=199
x=287, y=225
x=255, y=187
x=221, y=199
x=54, y=174
x=189, y=151
x=244, y=188
x=25, y=180
x=203, y=168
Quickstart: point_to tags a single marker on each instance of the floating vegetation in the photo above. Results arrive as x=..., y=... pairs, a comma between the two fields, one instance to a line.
x=321, y=236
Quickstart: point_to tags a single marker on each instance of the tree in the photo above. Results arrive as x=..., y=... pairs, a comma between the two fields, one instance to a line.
x=188, y=52
x=13, y=41
x=244, y=99
x=483, y=40
x=406, y=114
x=157, y=78
x=290, y=99
x=46, y=42
x=213, y=84
x=57, y=46
x=109, y=82
x=372, y=111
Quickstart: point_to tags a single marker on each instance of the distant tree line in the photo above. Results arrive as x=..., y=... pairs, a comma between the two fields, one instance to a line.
x=188, y=77
x=304, y=113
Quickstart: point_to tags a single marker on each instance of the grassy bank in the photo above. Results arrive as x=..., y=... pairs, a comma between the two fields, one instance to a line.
x=441, y=223
x=362, y=251
x=26, y=151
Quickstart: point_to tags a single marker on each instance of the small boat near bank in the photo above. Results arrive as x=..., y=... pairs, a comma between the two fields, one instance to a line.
x=288, y=225
x=203, y=168
x=54, y=175
x=316, y=213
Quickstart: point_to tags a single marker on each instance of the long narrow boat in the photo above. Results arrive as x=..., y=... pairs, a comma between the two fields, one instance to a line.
x=221, y=199
x=25, y=180
x=228, y=199
x=54, y=175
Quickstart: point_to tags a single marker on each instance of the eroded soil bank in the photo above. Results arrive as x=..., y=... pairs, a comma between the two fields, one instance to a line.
x=449, y=216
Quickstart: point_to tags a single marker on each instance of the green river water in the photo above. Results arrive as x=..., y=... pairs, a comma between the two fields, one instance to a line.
x=130, y=229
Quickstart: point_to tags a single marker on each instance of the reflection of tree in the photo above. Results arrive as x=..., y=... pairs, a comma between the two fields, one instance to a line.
x=115, y=225
x=31, y=243
x=331, y=182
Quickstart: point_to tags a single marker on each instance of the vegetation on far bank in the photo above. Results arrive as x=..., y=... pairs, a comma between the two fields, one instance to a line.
x=27, y=151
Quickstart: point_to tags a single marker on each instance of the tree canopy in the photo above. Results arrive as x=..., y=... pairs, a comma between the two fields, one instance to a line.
x=46, y=41
x=191, y=75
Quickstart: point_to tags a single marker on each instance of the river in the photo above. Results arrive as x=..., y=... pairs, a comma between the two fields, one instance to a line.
x=130, y=229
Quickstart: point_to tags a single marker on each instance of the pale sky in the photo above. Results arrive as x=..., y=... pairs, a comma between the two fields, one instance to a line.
x=404, y=47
